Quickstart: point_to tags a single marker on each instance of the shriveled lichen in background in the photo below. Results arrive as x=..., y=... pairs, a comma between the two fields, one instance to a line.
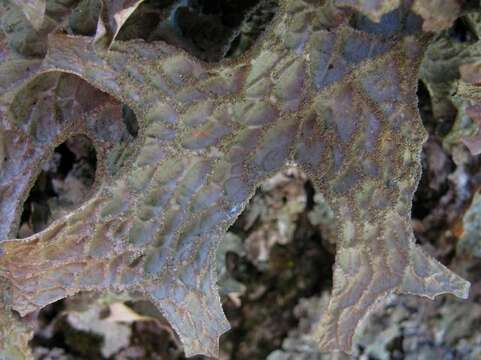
x=448, y=54
x=338, y=101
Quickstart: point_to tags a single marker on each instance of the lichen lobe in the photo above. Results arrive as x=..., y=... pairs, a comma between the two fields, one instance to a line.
x=338, y=102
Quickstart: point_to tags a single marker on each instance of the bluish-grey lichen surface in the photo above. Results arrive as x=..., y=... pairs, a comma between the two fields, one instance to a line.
x=340, y=102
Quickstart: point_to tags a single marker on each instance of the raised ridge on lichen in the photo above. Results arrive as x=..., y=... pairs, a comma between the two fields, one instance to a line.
x=337, y=101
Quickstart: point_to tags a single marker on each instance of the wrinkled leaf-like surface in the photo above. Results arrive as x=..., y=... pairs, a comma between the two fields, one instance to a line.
x=338, y=102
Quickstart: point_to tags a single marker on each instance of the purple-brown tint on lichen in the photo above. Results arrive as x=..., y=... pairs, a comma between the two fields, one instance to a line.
x=207, y=135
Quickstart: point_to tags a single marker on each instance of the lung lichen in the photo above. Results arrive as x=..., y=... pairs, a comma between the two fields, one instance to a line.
x=337, y=101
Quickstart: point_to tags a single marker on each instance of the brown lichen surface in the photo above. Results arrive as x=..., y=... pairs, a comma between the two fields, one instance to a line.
x=338, y=102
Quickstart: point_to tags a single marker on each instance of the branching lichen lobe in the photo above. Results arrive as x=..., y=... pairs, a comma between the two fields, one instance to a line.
x=339, y=102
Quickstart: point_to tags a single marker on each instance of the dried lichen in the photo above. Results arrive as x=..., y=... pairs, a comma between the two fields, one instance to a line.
x=437, y=15
x=470, y=241
x=447, y=57
x=337, y=101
